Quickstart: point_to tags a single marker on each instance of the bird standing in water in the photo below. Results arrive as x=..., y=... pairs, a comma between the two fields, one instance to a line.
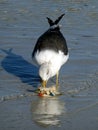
x=51, y=52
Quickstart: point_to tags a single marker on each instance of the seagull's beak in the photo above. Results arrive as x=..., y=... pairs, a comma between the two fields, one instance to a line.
x=44, y=83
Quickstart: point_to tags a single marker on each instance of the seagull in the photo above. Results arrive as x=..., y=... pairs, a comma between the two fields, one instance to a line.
x=51, y=52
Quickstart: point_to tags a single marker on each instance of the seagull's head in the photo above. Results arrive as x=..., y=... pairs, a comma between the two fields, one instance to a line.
x=45, y=73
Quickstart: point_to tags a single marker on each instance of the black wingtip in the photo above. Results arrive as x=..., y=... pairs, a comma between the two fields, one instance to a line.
x=51, y=22
x=58, y=19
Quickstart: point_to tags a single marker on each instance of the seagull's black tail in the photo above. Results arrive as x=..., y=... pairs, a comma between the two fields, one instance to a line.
x=52, y=23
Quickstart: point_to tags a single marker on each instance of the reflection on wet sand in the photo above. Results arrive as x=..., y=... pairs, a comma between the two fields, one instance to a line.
x=47, y=111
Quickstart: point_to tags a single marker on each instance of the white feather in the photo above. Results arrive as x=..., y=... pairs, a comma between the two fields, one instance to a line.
x=51, y=61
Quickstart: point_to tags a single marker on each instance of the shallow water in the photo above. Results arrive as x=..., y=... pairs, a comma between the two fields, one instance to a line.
x=21, y=23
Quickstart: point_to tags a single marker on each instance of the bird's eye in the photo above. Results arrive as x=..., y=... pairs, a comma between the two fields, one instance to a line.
x=47, y=72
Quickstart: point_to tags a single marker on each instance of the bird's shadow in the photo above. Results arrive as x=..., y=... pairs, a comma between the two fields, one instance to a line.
x=18, y=66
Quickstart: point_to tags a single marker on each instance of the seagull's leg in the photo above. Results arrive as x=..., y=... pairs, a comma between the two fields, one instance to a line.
x=57, y=80
x=44, y=83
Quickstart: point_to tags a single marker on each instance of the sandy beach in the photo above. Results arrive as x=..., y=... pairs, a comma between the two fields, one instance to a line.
x=21, y=23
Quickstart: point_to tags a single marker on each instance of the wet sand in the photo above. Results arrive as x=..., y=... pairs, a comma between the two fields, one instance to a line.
x=21, y=23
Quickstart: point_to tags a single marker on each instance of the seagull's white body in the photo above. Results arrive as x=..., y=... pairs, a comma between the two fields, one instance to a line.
x=53, y=60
